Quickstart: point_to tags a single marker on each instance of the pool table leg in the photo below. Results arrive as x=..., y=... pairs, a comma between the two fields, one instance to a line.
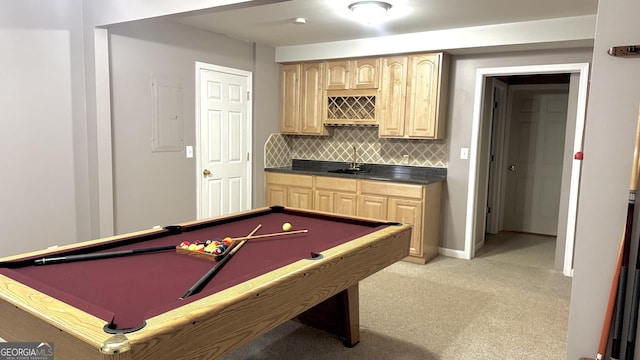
x=352, y=315
x=339, y=315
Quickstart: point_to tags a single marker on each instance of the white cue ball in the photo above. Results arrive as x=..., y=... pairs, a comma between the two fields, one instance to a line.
x=286, y=227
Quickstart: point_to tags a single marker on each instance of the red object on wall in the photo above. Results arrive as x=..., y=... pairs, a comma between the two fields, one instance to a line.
x=579, y=155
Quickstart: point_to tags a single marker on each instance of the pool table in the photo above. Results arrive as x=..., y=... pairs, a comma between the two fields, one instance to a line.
x=129, y=307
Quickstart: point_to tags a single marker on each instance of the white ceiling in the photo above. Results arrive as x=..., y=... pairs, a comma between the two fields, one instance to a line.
x=329, y=20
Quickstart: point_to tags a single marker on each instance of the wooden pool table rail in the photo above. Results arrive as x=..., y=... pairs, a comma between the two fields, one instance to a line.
x=212, y=326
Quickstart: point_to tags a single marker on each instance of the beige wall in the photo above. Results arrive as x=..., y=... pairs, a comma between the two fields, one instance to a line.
x=266, y=102
x=44, y=192
x=608, y=147
x=159, y=188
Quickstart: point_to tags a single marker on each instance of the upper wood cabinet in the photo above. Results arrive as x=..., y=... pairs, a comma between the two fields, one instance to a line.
x=312, y=100
x=423, y=97
x=392, y=96
x=412, y=96
x=337, y=75
x=404, y=95
x=302, y=99
x=354, y=74
x=290, y=98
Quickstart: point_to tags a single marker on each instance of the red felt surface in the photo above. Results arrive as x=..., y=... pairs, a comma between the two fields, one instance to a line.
x=128, y=290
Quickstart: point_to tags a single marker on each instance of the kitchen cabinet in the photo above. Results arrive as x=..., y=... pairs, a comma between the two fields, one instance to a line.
x=418, y=205
x=412, y=95
x=335, y=195
x=392, y=96
x=302, y=99
x=290, y=98
x=373, y=206
x=409, y=211
x=351, y=107
x=361, y=73
x=337, y=75
x=350, y=91
x=289, y=190
x=405, y=95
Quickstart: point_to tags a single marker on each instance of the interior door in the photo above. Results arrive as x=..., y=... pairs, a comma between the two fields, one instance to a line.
x=498, y=106
x=534, y=167
x=224, y=141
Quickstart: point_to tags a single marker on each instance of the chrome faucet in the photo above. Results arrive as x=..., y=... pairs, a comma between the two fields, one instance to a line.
x=354, y=164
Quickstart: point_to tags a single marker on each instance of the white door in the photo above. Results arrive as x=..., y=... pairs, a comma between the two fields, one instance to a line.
x=223, y=150
x=536, y=145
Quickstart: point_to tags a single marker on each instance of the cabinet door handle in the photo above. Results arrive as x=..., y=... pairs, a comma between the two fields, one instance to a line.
x=512, y=167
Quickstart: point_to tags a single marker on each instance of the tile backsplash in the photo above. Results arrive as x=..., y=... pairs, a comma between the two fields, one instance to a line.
x=280, y=149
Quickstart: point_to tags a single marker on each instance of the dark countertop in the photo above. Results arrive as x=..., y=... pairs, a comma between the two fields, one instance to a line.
x=394, y=173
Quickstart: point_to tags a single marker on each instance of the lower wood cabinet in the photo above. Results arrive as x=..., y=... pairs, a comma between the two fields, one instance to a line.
x=289, y=190
x=409, y=211
x=373, y=206
x=336, y=195
x=418, y=205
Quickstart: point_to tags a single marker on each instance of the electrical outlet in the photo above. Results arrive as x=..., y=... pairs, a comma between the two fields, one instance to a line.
x=405, y=159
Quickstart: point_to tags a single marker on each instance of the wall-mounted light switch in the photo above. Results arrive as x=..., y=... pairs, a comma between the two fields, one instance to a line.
x=464, y=153
x=189, y=151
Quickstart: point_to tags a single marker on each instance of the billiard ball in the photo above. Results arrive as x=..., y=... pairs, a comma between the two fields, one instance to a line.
x=286, y=227
x=220, y=249
x=209, y=248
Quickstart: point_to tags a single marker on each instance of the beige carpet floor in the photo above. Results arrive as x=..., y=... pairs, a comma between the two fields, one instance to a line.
x=507, y=303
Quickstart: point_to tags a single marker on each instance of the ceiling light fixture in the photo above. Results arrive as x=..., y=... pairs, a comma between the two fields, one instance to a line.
x=370, y=12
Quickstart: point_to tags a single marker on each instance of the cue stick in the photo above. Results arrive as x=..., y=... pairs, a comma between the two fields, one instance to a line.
x=235, y=241
x=620, y=295
x=104, y=255
x=635, y=300
x=606, y=326
x=214, y=270
x=269, y=235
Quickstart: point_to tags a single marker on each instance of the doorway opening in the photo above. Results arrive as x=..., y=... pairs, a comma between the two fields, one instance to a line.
x=490, y=84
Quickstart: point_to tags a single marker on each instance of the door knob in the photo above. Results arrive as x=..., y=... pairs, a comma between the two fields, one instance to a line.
x=512, y=167
x=206, y=172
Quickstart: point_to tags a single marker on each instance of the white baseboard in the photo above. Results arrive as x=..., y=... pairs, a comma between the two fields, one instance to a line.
x=459, y=254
